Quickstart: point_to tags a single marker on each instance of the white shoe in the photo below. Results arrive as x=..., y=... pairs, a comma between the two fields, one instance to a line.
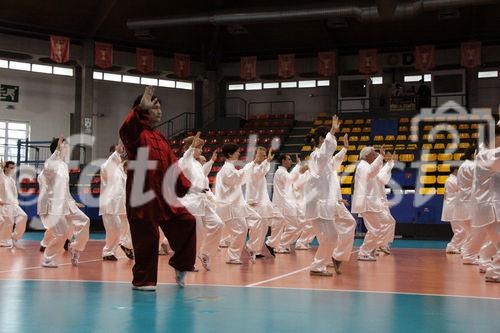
x=320, y=273
x=75, y=256
x=470, y=261
x=366, y=257
x=491, y=279
x=302, y=247
x=49, y=263
x=164, y=250
x=7, y=243
x=282, y=250
x=180, y=278
x=252, y=256
x=234, y=262
x=144, y=288
x=205, y=261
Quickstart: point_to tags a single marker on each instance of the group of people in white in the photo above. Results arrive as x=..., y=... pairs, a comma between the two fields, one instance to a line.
x=306, y=203
x=472, y=206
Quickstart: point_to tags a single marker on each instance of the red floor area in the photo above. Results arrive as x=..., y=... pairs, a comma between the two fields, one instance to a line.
x=422, y=271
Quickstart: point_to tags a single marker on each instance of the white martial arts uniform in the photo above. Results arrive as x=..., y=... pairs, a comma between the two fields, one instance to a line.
x=486, y=194
x=306, y=230
x=286, y=232
x=59, y=212
x=463, y=211
x=12, y=218
x=345, y=224
x=320, y=203
x=112, y=205
x=383, y=177
x=450, y=204
x=235, y=212
x=369, y=200
x=201, y=205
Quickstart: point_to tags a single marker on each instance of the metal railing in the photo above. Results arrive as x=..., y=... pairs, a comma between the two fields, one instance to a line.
x=272, y=108
x=177, y=125
x=35, y=153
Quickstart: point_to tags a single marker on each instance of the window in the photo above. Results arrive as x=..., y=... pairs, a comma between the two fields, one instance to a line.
x=487, y=74
x=63, y=71
x=41, y=69
x=236, y=87
x=21, y=66
x=4, y=63
x=112, y=77
x=323, y=83
x=10, y=132
x=131, y=79
x=166, y=83
x=377, y=80
x=184, y=85
x=412, y=78
x=307, y=84
x=253, y=86
x=97, y=75
x=148, y=81
x=271, y=85
x=292, y=84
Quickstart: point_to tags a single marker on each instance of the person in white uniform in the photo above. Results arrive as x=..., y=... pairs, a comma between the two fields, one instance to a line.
x=345, y=224
x=450, y=204
x=201, y=204
x=233, y=209
x=58, y=210
x=306, y=230
x=257, y=197
x=486, y=193
x=383, y=179
x=287, y=230
x=12, y=218
x=320, y=204
x=368, y=201
x=112, y=205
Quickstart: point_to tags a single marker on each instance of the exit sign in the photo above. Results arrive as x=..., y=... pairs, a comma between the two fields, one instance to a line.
x=9, y=93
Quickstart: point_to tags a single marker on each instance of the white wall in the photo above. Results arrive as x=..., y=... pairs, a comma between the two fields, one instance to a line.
x=46, y=101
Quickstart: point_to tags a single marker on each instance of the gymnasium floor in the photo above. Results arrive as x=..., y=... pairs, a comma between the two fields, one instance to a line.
x=416, y=289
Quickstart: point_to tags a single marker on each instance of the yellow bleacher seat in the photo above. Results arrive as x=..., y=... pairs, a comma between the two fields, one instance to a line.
x=368, y=121
x=348, y=122
x=450, y=136
x=350, y=168
x=445, y=157
x=356, y=130
x=428, y=157
x=346, y=130
x=346, y=180
x=426, y=137
x=353, y=138
x=463, y=126
x=400, y=147
x=428, y=168
x=344, y=159
x=440, y=191
x=346, y=190
x=388, y=147
x=474, y=126
x=412, y=146
x=407, y=157
x=327, y=122
x=351, y=147
x=439, y=146
x=464, y=136
x=428, y=128
x=308, y=157
x=427, y=180
x=359, y=122
x=452, y=145
x=443, y=168
x=364, y=138
x=378, y=138
x=413, y=137
x=457, y=156
x=339, y=147
x=441, y=179
x=440, y=136
x=306, y=148
x=341, y=168
x=390, y=138
x=361, y=147
x=318, y=122
x=367, y=129
x=401, y=138
x=427, y=191
x=403, y=129
x=427, y=146
x=353, y=158
x=414, y=128
x=464, y=145
x=475, y=135
x=404, y=120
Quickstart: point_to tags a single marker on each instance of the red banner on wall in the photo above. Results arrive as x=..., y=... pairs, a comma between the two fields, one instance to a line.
x=59, y=49
x=144, y=60
x=182, y=65
x=103, y=55
x=471, y=54
x=286, y=65
x=248, y=68
x=424, y=57
x=367, y=61
x=326, y=63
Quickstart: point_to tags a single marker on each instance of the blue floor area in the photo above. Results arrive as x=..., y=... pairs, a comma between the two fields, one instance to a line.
x=46, y=306
x=398, y=243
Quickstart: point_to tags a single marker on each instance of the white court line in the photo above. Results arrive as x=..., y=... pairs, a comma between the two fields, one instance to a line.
x=277, y=277
x=65, y=264
x=264, y=287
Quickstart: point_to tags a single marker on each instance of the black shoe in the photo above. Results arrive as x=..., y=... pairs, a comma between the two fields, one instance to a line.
x=66, y=245
x=336, y=266
x=259, y=256
x=42, y=248
x=128, y=252
x=271, y=250
x=110, y=258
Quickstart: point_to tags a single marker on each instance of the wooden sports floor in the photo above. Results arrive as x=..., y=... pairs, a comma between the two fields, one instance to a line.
x=418, y=288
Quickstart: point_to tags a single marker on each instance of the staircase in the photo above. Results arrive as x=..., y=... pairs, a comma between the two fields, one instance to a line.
x=297, y=138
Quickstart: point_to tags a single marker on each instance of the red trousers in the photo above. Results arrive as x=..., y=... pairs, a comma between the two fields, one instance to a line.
x=181, y=234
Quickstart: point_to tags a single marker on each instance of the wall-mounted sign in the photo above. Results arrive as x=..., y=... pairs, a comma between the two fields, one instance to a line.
x=9, y=93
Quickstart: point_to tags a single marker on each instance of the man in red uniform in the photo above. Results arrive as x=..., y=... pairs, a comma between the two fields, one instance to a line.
x=150, y=158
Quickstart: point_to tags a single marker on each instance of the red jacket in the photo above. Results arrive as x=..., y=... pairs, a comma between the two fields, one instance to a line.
x=135, y=132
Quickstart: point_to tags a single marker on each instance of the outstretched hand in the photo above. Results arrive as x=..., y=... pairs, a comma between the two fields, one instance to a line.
x=147, y=101
x=382, y=150
x=214, y=156
x=335, y=125
x=60, y=142
x=197, y=142
x=270, y=155
x=346, y=141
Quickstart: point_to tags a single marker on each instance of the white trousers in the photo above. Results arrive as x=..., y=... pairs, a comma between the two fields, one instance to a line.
x=327, y=238
x=477, y=238
x=388, y=237
x=487, y=252
x=238, y=228
x=378, y=225
x=306, y=232
x=277, y=227
x=291, y=231
x=12, y=228
x=492, y=231
x=117, y=233
x=208, y=232
x=345, y=224
x=459, y=235
x=58, y=234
